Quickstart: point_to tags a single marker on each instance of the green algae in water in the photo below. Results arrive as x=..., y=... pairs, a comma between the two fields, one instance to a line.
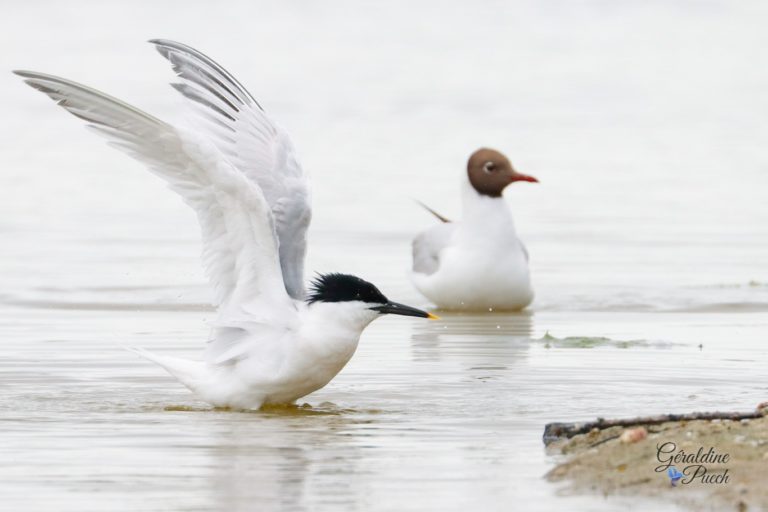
x=588, y=342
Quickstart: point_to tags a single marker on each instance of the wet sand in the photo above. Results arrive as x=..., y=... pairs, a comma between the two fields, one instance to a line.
x=730, y=477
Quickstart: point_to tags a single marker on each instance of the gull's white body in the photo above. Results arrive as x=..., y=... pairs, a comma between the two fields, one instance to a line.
x=477, y=263
x=239, y=173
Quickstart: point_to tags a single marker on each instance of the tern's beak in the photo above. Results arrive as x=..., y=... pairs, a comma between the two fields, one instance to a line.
x=393, y=308
x=516, y=176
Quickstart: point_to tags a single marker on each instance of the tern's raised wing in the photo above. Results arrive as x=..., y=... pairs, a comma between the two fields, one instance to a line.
x=259, y=149
x=240, y=252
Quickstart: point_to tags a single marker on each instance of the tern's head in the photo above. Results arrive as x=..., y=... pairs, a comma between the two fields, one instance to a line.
x=490, y=172
x=358, y=297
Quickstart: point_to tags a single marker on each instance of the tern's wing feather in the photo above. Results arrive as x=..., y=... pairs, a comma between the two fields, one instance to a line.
x=426, y=247
x=257, y=147
x=239, y=245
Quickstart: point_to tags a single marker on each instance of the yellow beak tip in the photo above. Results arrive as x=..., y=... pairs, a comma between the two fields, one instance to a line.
x=432, y=317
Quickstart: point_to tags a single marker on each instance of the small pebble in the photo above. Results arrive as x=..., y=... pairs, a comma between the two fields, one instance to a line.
x=633, y=435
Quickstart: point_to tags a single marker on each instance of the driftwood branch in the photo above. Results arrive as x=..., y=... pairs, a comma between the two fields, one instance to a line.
x=555, y=431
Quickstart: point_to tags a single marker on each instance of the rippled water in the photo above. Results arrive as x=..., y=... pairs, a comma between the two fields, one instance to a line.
x=648, y=236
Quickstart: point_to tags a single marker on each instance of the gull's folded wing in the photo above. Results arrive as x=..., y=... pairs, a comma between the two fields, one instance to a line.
x=238, y=126
x=240, y=252
x=426, y=247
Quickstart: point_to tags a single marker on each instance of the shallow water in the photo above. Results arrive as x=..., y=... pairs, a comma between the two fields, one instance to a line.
x=648, y=238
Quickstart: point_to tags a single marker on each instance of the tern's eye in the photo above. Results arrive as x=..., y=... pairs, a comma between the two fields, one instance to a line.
x=489, y=167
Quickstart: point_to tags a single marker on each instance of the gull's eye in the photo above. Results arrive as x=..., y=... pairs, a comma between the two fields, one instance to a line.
x=489, y=167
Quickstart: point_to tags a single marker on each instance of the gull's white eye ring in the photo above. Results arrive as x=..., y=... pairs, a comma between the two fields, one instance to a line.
x=489, y=167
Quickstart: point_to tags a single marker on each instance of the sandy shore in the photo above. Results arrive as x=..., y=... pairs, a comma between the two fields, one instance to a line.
x=724, y=463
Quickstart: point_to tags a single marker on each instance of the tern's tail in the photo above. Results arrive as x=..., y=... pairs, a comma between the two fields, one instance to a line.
x=190, y=373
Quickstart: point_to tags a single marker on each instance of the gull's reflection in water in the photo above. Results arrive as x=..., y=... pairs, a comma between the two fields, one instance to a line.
x=478, y=339
x=286, y=457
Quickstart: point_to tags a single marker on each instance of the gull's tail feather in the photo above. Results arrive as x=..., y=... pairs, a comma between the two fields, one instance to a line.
x=433, y=212
x=190, y=373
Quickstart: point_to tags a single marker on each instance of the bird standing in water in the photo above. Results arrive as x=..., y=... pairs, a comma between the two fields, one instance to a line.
x=477, y=263
x=272, y=343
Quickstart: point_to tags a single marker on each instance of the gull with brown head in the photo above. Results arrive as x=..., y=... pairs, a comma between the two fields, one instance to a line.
x=478, y=262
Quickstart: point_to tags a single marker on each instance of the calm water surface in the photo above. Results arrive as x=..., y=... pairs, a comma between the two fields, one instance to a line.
x=648, y=236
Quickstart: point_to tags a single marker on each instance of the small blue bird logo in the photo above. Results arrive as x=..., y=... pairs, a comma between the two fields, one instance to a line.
x=674, y=476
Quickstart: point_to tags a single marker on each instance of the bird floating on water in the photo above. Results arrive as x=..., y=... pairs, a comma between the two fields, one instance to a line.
x=478, y=263
x=272, y=343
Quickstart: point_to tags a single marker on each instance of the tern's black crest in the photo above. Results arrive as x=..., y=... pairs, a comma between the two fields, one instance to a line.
x=343, y=287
